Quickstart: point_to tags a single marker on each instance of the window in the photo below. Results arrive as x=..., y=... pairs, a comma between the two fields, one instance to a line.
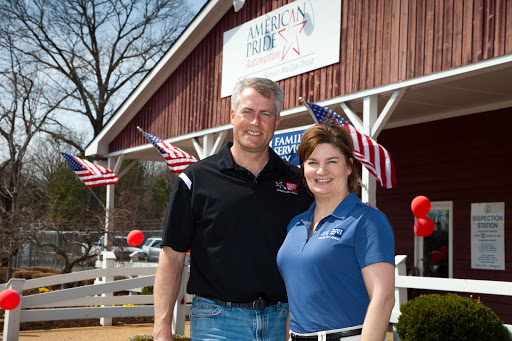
x=433, y=254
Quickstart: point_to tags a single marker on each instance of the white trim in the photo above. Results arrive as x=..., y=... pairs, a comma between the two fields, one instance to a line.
x=418, y=241
x=460, y=72
x=127, y=168
x=173, y=140
x=208, y=147
x=451, y=114
x=386, y=112
x=352, y=116
x=186, y=180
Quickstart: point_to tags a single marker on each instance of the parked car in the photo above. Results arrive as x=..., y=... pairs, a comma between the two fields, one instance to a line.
x=151, y=249
x=120, y=248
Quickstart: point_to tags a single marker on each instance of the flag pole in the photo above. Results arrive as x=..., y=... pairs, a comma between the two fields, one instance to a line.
x=90, y=190
x=94, y=195
x=303, y=102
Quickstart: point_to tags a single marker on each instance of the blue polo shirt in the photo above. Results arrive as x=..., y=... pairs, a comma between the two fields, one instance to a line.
x=323, y=273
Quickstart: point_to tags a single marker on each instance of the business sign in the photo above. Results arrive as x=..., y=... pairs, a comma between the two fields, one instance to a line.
x=294, y=39
x=488, y=236
x=286, y=142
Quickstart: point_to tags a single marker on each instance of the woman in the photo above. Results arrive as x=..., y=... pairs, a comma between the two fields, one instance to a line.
x=337, y=260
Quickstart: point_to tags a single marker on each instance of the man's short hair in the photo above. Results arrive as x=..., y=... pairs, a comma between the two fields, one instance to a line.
x=265, y=87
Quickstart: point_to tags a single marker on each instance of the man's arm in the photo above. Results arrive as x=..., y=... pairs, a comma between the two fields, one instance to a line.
x=165, y=291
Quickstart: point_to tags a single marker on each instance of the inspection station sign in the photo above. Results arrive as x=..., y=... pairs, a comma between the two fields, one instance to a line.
x=296, y=38
x=488, y=236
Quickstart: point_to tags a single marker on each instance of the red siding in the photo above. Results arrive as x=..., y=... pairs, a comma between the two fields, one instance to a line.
x=459, y=160
x=381, y=42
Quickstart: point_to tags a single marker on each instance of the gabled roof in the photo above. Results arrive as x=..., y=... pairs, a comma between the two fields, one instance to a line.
x=204, y=21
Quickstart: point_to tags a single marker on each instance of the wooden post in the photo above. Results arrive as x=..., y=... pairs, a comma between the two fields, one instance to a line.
x=400, y=293
x=13, y=317
x=108, y=262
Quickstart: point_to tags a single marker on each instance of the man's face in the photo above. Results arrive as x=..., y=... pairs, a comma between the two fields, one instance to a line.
x=254, y=121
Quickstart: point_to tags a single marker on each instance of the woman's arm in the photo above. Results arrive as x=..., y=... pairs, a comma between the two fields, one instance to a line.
x=379, y=279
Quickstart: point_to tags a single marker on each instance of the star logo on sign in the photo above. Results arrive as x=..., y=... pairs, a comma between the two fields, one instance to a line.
x=290, y=34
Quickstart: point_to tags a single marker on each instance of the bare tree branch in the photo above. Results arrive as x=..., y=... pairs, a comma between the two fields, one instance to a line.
x=97, y=49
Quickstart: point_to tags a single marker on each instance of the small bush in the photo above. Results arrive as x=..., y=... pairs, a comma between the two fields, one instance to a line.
x=448, y=317
x=147, y=291
x=3, y=273
x=27, y=274
x=42, y=274
x=44, y=269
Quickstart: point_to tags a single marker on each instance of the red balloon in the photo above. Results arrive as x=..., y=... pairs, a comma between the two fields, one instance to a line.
x=435, y=257
x=443, y=250
x=424, y=227
x=135, y=237
x=9, y=299
x=420, y=206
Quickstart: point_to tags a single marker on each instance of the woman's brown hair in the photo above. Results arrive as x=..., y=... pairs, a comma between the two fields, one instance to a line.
x=335, y=136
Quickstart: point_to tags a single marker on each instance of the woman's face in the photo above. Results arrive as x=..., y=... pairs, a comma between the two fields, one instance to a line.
x=326, y=172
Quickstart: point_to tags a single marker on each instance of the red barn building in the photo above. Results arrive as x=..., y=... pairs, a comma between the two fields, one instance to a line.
x=430, y=80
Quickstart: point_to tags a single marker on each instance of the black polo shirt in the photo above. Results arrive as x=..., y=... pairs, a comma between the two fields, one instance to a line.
x=234, y=223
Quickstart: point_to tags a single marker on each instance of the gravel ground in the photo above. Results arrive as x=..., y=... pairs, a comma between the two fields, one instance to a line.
x=97, y=333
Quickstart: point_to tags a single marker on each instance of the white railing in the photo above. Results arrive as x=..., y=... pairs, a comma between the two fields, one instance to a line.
x=83, y=302
x=90, y=301
x=477, y=287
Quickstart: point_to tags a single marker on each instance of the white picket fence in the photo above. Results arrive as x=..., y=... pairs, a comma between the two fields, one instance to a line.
x=84, y=302
x=475, y=287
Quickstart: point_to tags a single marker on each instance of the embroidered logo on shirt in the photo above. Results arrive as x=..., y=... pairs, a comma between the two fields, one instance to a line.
x=334, y=233
x=286, y=187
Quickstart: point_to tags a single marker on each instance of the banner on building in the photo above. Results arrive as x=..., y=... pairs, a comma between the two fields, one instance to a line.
x=294, y=39
x=286, y=142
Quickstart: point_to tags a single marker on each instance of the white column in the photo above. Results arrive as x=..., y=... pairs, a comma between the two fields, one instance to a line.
x=13, y=317
x=369, y=188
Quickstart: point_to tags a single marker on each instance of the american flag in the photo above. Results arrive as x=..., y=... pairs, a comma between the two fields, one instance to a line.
x=176, y=159
x=91, y=174
x=372, y=155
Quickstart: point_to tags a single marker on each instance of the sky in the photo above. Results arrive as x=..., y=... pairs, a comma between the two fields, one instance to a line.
x=195, y=5
x=81, y=124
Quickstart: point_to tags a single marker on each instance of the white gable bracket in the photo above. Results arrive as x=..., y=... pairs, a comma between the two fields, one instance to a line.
x=126, y=169
x=352, y=116
x=208, y=147
x=386, y=112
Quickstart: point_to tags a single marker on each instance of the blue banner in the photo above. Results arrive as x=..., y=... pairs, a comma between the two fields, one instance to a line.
x=285, y=143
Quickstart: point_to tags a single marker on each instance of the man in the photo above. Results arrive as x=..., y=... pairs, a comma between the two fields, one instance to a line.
x=231, y=210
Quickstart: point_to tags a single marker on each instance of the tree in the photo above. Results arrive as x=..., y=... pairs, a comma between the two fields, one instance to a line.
x=71, y=238
x=25, y=109
x=94, y=51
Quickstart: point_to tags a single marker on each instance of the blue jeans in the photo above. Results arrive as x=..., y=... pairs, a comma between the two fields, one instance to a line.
x=209, y=322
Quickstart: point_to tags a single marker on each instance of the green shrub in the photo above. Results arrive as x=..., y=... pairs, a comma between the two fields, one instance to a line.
x=147, y=291
x=448, y=317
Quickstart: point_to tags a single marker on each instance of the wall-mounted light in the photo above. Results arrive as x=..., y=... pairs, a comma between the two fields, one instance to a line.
x=238, y=4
